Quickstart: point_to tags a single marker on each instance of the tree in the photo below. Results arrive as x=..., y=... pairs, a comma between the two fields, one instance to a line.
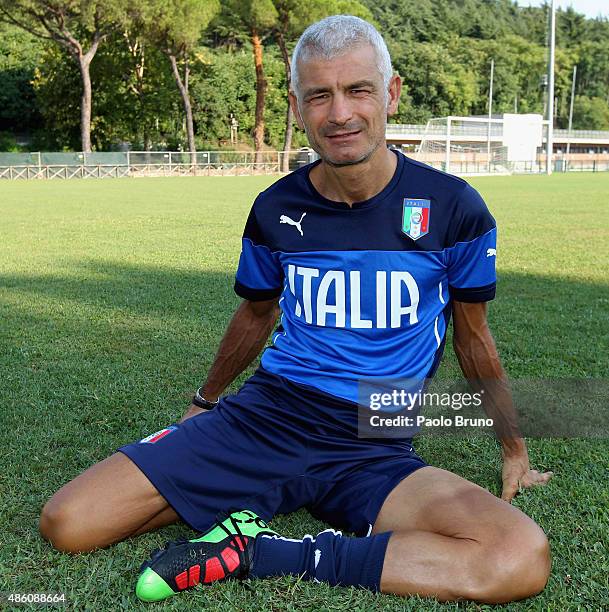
x=519, y=65
x=436, y=82
x=144, y=70
x=53, y=78
x=571, y=27
x=136, y=46
x=175, y=26
x=121, y=115
x=284, y=29
x=255, y=20
x=593, y=69
x=590, y=113
x=225, y=85
x=79, y=27
x=19, y=54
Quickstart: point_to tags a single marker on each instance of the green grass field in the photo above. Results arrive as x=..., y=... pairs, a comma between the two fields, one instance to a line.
x=114, y=295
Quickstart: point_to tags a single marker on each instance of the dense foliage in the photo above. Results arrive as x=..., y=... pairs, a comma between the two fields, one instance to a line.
x=442, y=49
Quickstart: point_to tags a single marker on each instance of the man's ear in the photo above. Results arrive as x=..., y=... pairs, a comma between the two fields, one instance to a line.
x=395, y=90
x=294, y=104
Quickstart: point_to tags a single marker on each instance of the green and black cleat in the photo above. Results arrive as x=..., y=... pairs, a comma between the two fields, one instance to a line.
x=224, y=551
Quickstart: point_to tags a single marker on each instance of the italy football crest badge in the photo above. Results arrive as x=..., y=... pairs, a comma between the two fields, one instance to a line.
x=415, y=219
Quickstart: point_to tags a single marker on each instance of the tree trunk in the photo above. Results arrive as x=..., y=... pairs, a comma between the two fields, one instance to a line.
x=138, y=53
x=287, y=140
x=52, y=18
x=289, y=117
x=86, y=101
x=183, y=87
x=85, y=104
x=260, y=94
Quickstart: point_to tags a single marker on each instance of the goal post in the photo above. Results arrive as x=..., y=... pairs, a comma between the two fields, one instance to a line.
x=482, y=145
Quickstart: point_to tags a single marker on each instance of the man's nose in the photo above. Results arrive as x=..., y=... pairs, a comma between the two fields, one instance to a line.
x=340, y=111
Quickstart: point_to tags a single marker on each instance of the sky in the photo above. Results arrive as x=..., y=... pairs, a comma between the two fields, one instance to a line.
x=590, y=8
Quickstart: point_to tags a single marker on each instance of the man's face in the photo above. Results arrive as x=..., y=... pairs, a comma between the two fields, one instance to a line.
x=343, y=106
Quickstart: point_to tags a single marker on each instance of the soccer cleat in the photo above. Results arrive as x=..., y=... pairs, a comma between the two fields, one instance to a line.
x=224, y=551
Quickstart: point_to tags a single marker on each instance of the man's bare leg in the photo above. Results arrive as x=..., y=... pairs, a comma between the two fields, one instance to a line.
x=107, y=503
x=454, y=540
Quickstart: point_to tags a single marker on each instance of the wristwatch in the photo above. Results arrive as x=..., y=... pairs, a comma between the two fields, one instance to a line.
x=200, y=401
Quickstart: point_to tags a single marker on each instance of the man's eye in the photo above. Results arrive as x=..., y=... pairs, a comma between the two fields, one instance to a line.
x=359, y=92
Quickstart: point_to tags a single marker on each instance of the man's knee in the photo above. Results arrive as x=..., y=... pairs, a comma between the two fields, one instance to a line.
x=532, y=570
x=58, y=524
x=514, y=566
x=109, y=502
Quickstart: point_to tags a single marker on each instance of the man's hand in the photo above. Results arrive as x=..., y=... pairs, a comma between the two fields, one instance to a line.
x=517, y=474
x=192, y=411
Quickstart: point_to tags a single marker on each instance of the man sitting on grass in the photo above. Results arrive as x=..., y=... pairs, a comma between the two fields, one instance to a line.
x=366, y=254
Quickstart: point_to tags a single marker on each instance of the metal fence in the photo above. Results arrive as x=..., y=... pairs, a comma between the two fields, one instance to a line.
x=232, y=163
x=148, y=163
x=474, y=164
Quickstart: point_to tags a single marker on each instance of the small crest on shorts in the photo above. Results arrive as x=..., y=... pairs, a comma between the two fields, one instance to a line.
x=415, y=218
x=159, y=435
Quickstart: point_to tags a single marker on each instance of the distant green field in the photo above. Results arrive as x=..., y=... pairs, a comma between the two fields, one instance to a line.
x=114, y=295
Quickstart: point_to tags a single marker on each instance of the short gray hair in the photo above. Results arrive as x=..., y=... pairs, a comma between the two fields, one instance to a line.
x=334, y=36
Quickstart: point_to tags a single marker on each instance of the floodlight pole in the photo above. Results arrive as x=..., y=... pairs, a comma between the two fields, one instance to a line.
x=490, y=113
x=571, y=111
x=550, y=140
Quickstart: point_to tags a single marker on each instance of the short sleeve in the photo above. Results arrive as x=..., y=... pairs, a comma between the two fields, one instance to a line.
x=471, y=259
x=259, y=274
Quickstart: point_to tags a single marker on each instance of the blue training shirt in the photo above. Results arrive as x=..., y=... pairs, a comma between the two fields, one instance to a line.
x=366, y=290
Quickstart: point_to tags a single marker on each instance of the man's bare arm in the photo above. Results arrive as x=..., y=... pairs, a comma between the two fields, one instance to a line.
x=243, y=340
x=480, y=363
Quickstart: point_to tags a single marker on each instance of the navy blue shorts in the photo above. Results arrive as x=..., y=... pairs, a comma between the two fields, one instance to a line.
x=273, y=447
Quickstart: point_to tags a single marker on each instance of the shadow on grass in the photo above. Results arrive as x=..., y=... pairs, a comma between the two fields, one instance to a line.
x=576, y=310
x=89, y=346
x=138, y=289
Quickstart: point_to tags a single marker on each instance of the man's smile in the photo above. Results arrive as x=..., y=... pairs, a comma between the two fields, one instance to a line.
x=343, y=136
